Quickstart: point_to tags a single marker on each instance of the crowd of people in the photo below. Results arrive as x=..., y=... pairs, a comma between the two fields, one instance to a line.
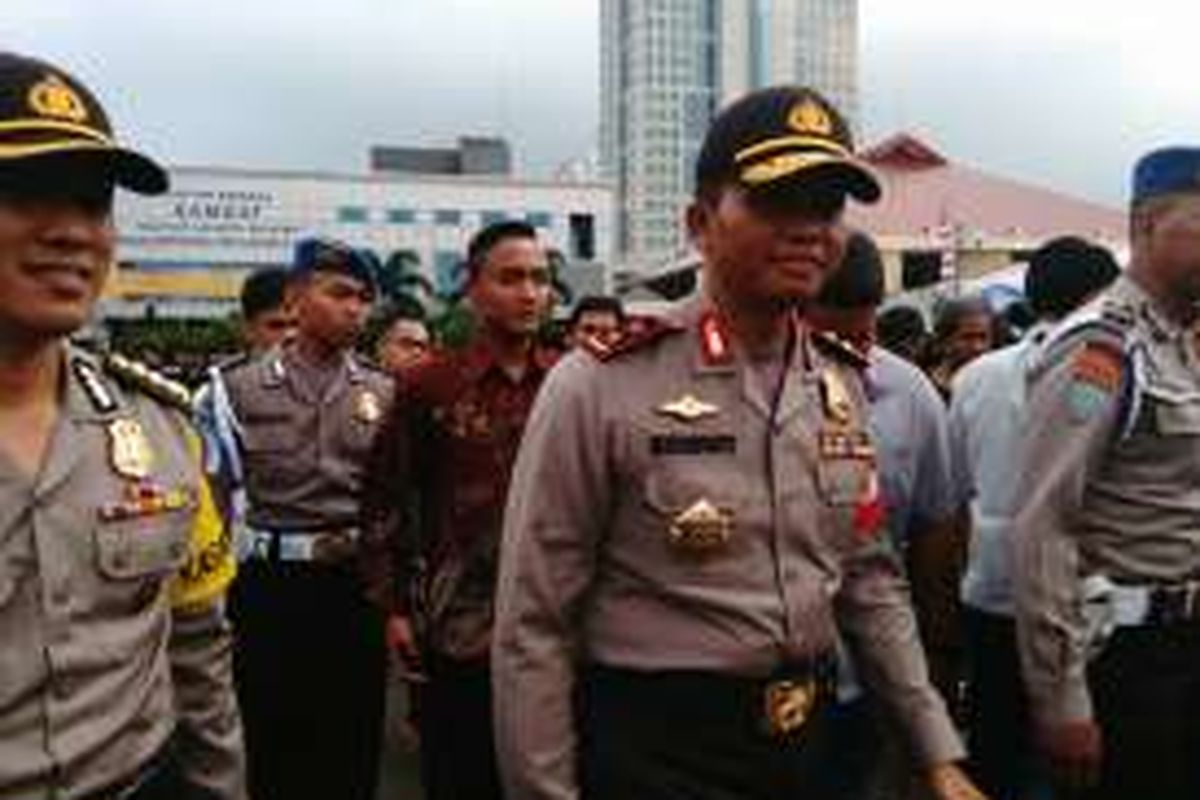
x=778, y=540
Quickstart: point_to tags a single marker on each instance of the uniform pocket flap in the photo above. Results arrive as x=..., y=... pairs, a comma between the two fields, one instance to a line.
x=143, y=547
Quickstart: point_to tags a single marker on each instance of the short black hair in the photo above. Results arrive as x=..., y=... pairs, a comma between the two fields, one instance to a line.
x=951, y=312
x=597, y=304
x=485, y=240
x=263, y=291
x=1064, y=272
x=858, y=281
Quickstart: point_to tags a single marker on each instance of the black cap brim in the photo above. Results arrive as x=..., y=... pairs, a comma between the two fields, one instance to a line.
x=828, y=169
x=129, y=169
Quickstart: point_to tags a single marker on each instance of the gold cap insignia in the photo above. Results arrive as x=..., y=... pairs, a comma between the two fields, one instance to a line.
x=835, y=399
x=788, y=705
x=688, y=409
x=701, y=527
x=368, y=409
x=810, y=119
x=129, y=449
x=52, y=97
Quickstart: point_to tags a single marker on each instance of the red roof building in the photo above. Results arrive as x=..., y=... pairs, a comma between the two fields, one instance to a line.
x=938, y=219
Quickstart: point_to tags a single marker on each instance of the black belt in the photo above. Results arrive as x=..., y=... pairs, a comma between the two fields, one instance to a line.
x=779, y=705
x=1175, y=604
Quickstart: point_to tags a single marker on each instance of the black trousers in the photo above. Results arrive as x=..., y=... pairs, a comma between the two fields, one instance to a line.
x=1003, y=758
x=1146, y=694
x=689, y=736
x=458, y=752
x=310, y=665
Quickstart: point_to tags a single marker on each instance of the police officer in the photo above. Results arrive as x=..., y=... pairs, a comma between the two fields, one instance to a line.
x=694, y=515
x=115, y=674
x=1107, y=546
x=310, y=647
x=266, y=322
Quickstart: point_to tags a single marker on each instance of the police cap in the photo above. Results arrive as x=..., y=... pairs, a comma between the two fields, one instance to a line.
x=783, y=134
x=45, y=114
x=317, y=254
x=1169, y=170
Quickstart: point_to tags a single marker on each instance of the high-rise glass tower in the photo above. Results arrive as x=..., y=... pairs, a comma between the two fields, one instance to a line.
x=667, y=65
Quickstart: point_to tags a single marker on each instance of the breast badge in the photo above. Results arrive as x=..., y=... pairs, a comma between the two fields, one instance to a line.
x=688, y=408
x=701, y=528
x=835, y=399
x=129, y=449
x=367, y=408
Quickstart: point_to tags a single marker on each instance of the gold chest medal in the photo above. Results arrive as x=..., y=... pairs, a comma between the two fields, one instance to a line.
x=367, y=408
x=129, y=449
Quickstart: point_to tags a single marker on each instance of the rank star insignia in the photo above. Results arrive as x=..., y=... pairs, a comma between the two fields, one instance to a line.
x=129, y=449
x=368, y=409
x=688, y=409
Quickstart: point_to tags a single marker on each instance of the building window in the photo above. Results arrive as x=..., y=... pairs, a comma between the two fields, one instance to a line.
x=352, y=214
x=540, y=219
x=582, y=229
x=447, y=272
x=920, y=268
x=401, y=216
x=447, y=216
x=492, y=217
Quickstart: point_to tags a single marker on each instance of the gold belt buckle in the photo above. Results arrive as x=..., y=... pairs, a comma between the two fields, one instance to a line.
x=788, y=705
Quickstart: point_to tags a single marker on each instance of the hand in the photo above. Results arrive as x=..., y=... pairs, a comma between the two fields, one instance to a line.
x=948, y=782
x=1075, y=751
x=402, y=643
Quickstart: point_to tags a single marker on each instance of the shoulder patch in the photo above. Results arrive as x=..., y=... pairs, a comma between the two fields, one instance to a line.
x=138, y=377
x=1097, y=372
x=651, y=330
x=835, y=347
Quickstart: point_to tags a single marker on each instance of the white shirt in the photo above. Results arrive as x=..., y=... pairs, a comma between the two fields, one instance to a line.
x=987, y=412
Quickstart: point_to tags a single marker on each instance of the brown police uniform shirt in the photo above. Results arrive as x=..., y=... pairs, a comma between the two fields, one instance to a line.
x=1111, y=480
x=451, y=443
x=305, y=434
x=664, y=516
x=113, y=566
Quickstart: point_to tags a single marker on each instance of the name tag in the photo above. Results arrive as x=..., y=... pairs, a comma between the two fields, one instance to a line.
x=678, y=445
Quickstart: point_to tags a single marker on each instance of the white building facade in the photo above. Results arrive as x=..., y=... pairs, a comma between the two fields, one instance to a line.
x=190, y=248
x=667, y=65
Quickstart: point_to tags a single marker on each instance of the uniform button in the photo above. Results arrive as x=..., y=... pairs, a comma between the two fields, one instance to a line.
x=60, y=595
x=63, y=687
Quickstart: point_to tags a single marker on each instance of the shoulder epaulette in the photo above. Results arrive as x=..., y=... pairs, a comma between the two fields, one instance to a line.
x=137, y=376
x=651, y=330
x=835, y=347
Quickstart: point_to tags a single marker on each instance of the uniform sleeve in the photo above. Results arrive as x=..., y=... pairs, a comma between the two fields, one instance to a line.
x=962, y=481
x=935, y=497
x=558, y=504
x=875, y=612
x=210, y=732
x=1072, y=410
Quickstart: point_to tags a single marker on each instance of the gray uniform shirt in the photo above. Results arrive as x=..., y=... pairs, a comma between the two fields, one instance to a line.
x=304, y=451
x=591, y=569
x=1110, y=477
x=99, y=661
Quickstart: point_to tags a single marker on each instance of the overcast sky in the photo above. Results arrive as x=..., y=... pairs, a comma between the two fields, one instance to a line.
x=1062, y=92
